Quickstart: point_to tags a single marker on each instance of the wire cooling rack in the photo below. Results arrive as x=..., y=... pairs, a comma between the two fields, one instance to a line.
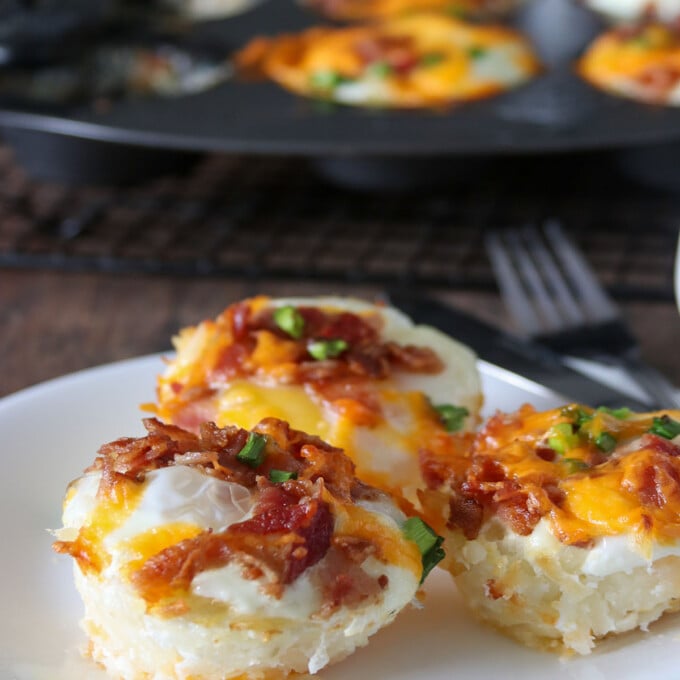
x=278, y=217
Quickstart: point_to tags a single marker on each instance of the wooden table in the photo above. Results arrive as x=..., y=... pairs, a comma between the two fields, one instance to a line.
x=54, y=323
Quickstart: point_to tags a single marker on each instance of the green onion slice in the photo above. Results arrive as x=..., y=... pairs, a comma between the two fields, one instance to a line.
x=665, y=427
x=428, y=542
x=327, y=349
x=431, y=59
x=476, y=52
x=577, y=415
x=327, y=80
x=281, y=475
x=253, y=453
x=605, y=442
x=290, y=321
x=562, y=438
x=380, y=69
x=452, y=417
x=575, y=464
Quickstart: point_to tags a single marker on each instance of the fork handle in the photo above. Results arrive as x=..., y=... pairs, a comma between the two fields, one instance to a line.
x=658, y=387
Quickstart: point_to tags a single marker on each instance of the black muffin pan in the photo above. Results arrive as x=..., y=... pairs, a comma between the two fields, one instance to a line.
x=556, y=112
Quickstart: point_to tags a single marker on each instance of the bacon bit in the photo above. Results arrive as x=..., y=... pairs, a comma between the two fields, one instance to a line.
x=351, y=328
x=520, y=513
x=465, y=513
x=355, y=549
x=492, y=590
x=383, y=581
x=357, y=412
x=239, y=317
x=83, y=551
x=196, y=409
x=343, y=583
x=414, y=359
x=659, y=445
x=339, y=393
x=231, y=362
x=545, y=453
x=655, y=480
x=556, y=495
x=398, y=51
x=287, y=534
x=309, y=523
x=658, y=80
x=132, y=458
x=176, y=387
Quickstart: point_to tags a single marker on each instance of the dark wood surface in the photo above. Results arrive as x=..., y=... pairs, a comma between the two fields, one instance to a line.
x=55, y=323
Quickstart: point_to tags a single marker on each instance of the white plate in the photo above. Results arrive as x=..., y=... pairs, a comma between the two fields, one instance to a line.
x=50, y=432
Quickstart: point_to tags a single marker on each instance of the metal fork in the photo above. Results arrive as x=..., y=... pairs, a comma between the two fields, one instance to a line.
x=556, y=299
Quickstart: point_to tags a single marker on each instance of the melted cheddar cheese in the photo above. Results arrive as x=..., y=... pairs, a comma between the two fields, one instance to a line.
x=363, y=10
x=641, y=63
x=410, y=61
x=589, y=473
x=381, y=421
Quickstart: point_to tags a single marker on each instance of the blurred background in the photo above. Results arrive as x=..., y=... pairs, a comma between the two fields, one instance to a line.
x=144, y=187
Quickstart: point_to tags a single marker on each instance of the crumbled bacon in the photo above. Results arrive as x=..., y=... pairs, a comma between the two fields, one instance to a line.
x=465, y=513
x=662, y=445
x=239, y=315
x=290, y=527
x=399, y=52
x=343, y=582
x=521, y=511
x=413, y=359
x=365, y=360
x=659, y=80
x=655, y=479
x=288, y=533
x=502, y=472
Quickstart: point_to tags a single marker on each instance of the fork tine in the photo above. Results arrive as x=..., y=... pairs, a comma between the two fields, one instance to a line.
x=535, y=286
x=592, y=295
x=550, y=271
x=510, y=286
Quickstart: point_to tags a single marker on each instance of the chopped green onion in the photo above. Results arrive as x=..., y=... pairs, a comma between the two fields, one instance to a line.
x=562, y=438
x=452, y=417
x=575, y=464
x=577, y=415
x=641, y=40
x=289, y=320
x=380, y=69
x=431, y=59
x=428, y=542
x=620, y=413
x=327, y=80
x=475, y=52
x=665, y=427
x=327, y=349
x=605, y=442
x=281, y=475
x=253, y=453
